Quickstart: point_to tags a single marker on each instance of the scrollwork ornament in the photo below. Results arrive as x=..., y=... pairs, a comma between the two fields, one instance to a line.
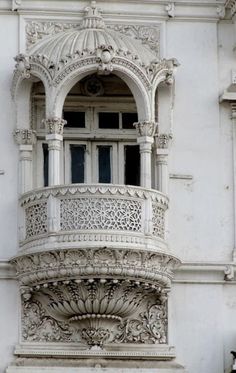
x=150, y=327
x=40, y=327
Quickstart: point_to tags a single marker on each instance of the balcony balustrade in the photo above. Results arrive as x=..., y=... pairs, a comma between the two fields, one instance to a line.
x=93, y=215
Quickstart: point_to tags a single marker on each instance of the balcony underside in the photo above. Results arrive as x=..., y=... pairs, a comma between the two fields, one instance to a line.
x=94, y=268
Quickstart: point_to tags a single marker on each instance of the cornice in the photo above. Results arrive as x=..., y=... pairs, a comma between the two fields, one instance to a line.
x=181, y=9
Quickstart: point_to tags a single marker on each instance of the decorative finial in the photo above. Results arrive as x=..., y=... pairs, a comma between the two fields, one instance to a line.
x=92, y=18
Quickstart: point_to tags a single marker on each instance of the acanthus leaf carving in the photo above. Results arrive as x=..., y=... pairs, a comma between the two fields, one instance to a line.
x=38, y=326
x=36, y=30
x=149, y=327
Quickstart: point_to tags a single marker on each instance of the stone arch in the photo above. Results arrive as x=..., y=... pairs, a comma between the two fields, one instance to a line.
x=140, y=91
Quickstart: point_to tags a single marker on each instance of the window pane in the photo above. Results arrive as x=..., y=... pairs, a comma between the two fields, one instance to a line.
x=108, y=120
x=75, y=119
x=132, y=165
x=104, y=164
x=128, y=119
x=45, y=165
x=77, y=163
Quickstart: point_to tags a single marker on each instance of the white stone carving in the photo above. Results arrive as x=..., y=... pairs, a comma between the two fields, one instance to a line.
x=100, y=213
x=53, y=266
x=16, y=4
x=54, y=125
x=158, y=220
x=148, y=35
x=94, y=208
x=146, y=128
x=37, y=30
x=95, y=295
x=24, y=136
x=170, y=9
x=23, y=65
x=231, y=5
x=220, y=10
x=150, y=327
x=36, y=219
x=162, y=140
x=38, y=326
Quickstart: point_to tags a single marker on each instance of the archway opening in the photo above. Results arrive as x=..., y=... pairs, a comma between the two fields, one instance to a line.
x=99, y=137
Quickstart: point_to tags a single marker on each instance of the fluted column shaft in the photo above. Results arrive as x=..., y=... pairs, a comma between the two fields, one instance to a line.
x=146, y=130
x=54, y=136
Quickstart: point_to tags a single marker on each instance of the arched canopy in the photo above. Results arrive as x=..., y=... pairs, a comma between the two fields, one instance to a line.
x=61, y=60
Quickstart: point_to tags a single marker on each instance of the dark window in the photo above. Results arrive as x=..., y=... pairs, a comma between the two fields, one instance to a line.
x=77, y=163
x=128, y=119
x=108, y=120
x=104, y=164
x=45, y=164
x=132, y=165
x=75, y=119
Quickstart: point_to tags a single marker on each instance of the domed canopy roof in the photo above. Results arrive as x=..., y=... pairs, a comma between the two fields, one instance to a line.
x=91, y=36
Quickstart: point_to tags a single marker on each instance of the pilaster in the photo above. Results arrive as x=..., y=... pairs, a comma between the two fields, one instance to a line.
x=25, y=138
x=162, y=152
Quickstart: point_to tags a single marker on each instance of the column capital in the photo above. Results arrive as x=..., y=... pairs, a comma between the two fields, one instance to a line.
x=146, y=128
x=24, y=136
x=162, y=140
x=54, y=126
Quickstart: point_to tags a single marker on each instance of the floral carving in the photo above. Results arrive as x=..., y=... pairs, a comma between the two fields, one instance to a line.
x=36, y=30
x=96, y=312
x=148, y=35
x=38, y=326
x=150, y=327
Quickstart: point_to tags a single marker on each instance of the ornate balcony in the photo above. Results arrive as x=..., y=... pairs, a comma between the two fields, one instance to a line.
x=94, y=266
x=93, y=216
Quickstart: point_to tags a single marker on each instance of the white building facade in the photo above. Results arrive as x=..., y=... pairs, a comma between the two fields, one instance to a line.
x=117, y=186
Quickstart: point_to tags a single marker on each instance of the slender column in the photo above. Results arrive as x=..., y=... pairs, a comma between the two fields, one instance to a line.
x=146, y=130
x=25, y=138
x=54, y=132
x=161, y=142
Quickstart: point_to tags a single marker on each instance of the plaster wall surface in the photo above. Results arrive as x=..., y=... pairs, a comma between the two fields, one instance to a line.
x=8, y=149
x=199, y=211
